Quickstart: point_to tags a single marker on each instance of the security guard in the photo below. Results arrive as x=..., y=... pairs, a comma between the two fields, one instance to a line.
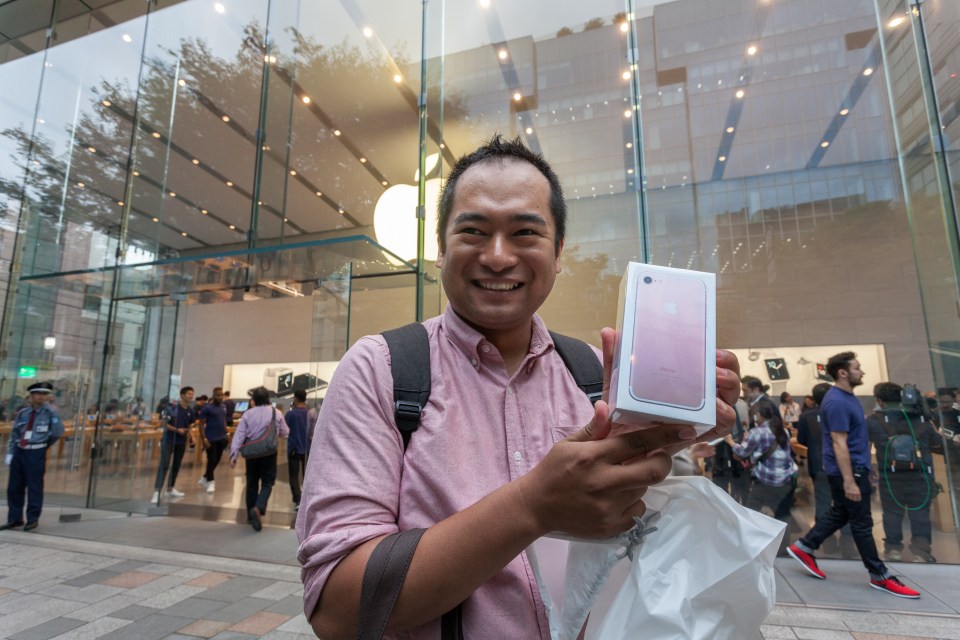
x=37, y=426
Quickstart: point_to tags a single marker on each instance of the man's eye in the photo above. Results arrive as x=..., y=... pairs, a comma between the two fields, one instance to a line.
x=473, y=231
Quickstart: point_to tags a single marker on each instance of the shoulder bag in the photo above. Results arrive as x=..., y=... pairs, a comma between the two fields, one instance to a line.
x=265, y=445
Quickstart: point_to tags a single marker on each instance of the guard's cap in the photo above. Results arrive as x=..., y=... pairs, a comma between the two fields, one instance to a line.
x=40, y=387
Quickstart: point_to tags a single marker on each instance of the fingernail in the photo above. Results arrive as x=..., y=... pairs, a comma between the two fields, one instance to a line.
x=687, y=433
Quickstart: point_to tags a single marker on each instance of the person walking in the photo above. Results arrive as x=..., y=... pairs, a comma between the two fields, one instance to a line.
x=297, y=420
x=261, y=473
x=213, y=434
x=846, y=461
x=35, y=428
x=179, y=417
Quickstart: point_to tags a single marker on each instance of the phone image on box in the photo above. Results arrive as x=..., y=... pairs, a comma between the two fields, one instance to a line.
x=670, y=328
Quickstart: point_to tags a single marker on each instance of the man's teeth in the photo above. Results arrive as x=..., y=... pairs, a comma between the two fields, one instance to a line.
x=499, y=286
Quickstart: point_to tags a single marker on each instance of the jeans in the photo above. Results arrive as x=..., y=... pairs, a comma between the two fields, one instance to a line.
x=765, y=495
x=214, y=453
x=857, y=514
x=909, y=491
x=26, y=481
x=261, y=474
x=165, y=450
x=296, y=462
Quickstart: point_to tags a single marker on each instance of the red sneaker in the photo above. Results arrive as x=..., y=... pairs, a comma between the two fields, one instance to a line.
x=893, y=586
x=808, y=561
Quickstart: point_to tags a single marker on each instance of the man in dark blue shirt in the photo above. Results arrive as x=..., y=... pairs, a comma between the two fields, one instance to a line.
x=213, y=431
x=229, y=405
x=846, y=461
x=178, y=418
x=297, y=419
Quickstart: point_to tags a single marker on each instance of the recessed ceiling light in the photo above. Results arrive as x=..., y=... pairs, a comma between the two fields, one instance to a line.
x=204, y=211
x=229, y=184
x=340, y=210
x=126, y=38
x=729, y=129
x=173, y=194
x=722, y=158
x=91, y=149
x=81, y=185
x=825, y=144
x=367, y=32
x=182, y=82
x=195, y=161
x=155, y=134
x=306, y=99
x=225, y=118
x=293, y=172
x=233, y=226
x=629, y=145
x=384, y=183
x=752, y=50
x=136, y=173
x=624, y=27
x=397, y=78
x=529, y=130
x=626, y=114
x=183, y=233
x=626, y=75
x=868, y=71
x=740, y=93
x=517, y=97
x=502, y=54
x=844, y=111
x=120, y=202
x=363, y=160
x=895, y=22
x=319, y=193
x=219, y=8
x=336, y=132
x=156, y=219
x=106, y=103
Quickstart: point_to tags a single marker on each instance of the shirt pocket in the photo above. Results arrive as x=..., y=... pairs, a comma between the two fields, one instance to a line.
x=41, y=428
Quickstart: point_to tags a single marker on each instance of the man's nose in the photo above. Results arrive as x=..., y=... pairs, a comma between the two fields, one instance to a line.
x=498, y=253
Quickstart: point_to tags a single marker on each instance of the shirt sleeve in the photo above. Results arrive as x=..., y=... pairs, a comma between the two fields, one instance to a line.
x=238, y=437
x=352, y=482
x=835, y=417
x=282, y=429
x=746, y=449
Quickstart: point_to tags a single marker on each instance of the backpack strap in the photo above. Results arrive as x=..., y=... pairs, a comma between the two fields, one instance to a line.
x=410, y=363
x=582, y=363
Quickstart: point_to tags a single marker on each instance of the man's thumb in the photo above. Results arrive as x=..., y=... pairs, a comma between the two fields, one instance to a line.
x=599, y=426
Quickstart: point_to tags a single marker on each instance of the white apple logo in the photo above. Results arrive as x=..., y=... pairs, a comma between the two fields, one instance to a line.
x=395, y=217
x=670, y=308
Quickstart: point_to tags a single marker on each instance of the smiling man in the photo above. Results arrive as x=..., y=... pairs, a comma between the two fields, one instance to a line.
x=502, y=455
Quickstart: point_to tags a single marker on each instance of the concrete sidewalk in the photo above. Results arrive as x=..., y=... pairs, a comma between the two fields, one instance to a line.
x=113, y=576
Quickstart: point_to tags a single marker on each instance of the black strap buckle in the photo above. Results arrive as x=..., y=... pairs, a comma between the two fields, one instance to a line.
x=408, y=411
x=597, y=395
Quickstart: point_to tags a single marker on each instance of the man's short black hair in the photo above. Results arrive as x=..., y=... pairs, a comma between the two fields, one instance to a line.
x=498, y=149
x=754, y=382
x=887, y=392
x=260, y=396
x=820, y=390
x=840, y=361
x=184, y=390
x=300, y=395
x=203, y=398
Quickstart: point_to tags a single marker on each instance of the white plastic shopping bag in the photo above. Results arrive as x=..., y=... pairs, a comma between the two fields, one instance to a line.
x=701, y=569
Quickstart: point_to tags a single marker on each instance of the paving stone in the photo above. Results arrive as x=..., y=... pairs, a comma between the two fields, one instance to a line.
x=276, y=634
x=883, y=636
x=171, y=597
x=92, y=577
x=822, y=634
x=278, y=590
x=103, y=608
x=196, y=607
x=121, y=566
x=775, y=632
x=233, y=635
x=240, y=610
x=96, y=629
x=152, y=627
x=162, y=569
x=298, y=625
x=161, y=584
x=260, y=623
x=89, y=594
x=210, y=579
x=291, y=605
x=204, y=628
x=48, y=629
x=130, y=579
x=237, y=588
x=133, y=612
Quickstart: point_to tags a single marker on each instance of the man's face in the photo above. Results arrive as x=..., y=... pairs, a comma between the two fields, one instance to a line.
x=500, y=261
x=946, y=402
x=750, y=393
x=37, y=399
x=854, y=373
x=217, y=397
x=186, y=397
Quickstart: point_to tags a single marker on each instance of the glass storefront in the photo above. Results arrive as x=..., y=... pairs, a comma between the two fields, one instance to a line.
x=190, y=186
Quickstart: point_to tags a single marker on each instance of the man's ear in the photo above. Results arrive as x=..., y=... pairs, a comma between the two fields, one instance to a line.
x=558, y=263
x=439, y=261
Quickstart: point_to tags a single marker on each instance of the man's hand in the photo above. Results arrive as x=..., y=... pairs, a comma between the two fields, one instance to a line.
x=851, y=490
x=7, y=459
x=233, y=463
x=181, y=431
x=591, y=484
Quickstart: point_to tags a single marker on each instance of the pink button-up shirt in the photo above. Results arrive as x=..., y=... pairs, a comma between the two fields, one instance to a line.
x=253, y=425
x=480, y=430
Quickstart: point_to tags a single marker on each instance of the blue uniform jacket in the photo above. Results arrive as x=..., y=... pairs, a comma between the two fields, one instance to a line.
x=47, y=427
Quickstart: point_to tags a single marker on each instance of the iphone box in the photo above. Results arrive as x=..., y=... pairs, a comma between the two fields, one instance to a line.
x=664, y=366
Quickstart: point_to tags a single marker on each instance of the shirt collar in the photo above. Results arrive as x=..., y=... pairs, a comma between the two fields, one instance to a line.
x=470, y=342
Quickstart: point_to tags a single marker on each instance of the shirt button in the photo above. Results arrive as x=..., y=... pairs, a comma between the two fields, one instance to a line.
x=485, y=348
x=517, y=456
x=473, y=361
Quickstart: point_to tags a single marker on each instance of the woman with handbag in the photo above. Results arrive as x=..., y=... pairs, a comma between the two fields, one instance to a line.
x=766, y=453
x=256, y=440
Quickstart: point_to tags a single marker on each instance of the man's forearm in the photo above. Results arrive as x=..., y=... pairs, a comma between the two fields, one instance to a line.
x=842, y=453
x=454, y=557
